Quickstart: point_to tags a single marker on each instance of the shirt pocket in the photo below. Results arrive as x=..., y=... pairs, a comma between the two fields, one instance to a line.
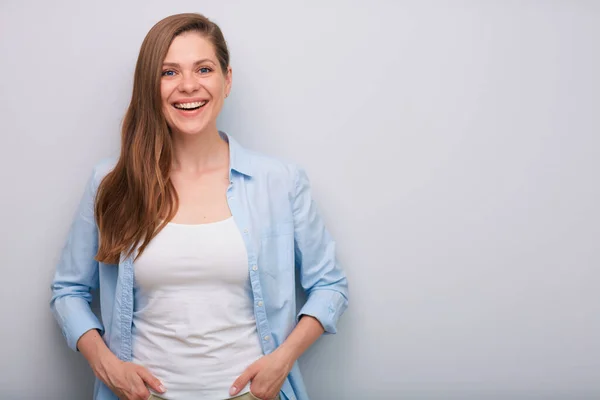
x=277, y=249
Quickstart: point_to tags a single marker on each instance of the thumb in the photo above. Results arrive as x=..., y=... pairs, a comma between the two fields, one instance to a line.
x=150, y=380
x=242, y=380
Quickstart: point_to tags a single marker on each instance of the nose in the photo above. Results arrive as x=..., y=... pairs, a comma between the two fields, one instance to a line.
x=188, y=83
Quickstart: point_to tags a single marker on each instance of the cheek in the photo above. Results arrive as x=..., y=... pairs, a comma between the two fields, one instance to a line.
x=216, y=87
x=166, y=88
x=164, y=97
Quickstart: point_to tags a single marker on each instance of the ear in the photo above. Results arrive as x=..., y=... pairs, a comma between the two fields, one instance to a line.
x=228, y=80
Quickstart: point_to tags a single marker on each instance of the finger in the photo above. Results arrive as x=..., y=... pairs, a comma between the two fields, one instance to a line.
x=150, y=380
x=255, y=393
x=258, y=394
x=138, y=390
x=254, y=396
x=242, y=380
x=267, y=390
x=142, y=393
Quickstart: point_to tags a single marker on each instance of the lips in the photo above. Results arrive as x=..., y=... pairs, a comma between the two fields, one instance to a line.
x=190, y=105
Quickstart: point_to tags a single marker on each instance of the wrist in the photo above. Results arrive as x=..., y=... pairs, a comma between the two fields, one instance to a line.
x=104, y=363
x=287, y=354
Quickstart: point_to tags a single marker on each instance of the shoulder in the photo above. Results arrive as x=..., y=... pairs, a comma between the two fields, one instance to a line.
x=264, y=163
x=274, y=169
x=259, y=165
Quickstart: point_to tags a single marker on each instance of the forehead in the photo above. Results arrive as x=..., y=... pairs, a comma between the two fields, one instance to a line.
x=190, y=46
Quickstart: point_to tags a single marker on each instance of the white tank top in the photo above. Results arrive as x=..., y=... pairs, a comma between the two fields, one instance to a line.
x=193, y=320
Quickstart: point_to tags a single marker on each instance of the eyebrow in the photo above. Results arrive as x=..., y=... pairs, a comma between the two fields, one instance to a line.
x=204, y=60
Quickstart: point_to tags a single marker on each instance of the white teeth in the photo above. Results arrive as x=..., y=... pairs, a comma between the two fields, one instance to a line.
x=187, y=106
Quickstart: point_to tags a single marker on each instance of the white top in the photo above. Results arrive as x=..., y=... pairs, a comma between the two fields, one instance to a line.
x=193, y=320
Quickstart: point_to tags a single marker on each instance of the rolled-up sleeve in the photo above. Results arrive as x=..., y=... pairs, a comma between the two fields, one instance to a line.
x=77, y=272
x=321, y=276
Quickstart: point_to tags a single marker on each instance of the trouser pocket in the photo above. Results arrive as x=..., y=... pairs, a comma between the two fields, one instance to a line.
x=250, y=396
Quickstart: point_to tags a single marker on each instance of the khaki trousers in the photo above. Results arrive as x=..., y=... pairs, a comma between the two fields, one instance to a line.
x=245, y=396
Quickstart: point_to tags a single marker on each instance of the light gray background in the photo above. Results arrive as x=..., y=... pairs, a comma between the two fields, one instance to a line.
x=453, y=149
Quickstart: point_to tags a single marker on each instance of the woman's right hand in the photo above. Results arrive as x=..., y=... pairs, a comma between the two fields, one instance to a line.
x=129, y=381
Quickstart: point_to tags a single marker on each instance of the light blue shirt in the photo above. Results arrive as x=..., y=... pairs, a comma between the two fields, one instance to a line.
x=283, y=232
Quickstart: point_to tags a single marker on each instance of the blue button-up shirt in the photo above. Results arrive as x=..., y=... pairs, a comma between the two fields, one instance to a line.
x=283, y=232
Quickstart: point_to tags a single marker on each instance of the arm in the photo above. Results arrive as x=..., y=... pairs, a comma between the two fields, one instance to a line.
x=98, y=355
x=308, y=330
x=76, y=274
x=321, y=276
x=327, y=296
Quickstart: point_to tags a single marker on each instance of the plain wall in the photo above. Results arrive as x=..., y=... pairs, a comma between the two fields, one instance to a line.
x=454, y=152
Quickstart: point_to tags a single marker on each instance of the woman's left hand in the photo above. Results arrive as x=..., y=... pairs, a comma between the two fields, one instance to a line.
x=267, y=375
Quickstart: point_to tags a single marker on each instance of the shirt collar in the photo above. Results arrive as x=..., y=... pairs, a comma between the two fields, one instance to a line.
x=239, y=159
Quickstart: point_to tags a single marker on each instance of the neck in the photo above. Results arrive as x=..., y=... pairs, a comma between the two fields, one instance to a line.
x=199, y=153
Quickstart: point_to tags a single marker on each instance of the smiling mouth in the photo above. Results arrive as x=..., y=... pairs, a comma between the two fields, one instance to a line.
x=190, y=106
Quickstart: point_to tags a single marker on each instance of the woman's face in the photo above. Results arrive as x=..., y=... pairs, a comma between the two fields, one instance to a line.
x=193, y=86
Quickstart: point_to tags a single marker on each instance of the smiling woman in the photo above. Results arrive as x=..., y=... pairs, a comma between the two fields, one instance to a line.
x=187, y=109
x=194, y=243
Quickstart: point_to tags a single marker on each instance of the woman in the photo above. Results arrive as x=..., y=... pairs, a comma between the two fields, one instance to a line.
x=194, y=243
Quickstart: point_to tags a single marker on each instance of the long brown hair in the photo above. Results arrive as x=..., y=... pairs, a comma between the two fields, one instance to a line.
x=137, y=198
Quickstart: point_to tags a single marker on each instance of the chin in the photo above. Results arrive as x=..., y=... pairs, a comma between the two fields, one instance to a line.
x=189, y=128
x=189, y=131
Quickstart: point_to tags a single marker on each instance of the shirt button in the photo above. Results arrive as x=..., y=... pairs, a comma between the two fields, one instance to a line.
x=260, y=303
x=245, y=230
x=254, y=268
x=266, y=338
